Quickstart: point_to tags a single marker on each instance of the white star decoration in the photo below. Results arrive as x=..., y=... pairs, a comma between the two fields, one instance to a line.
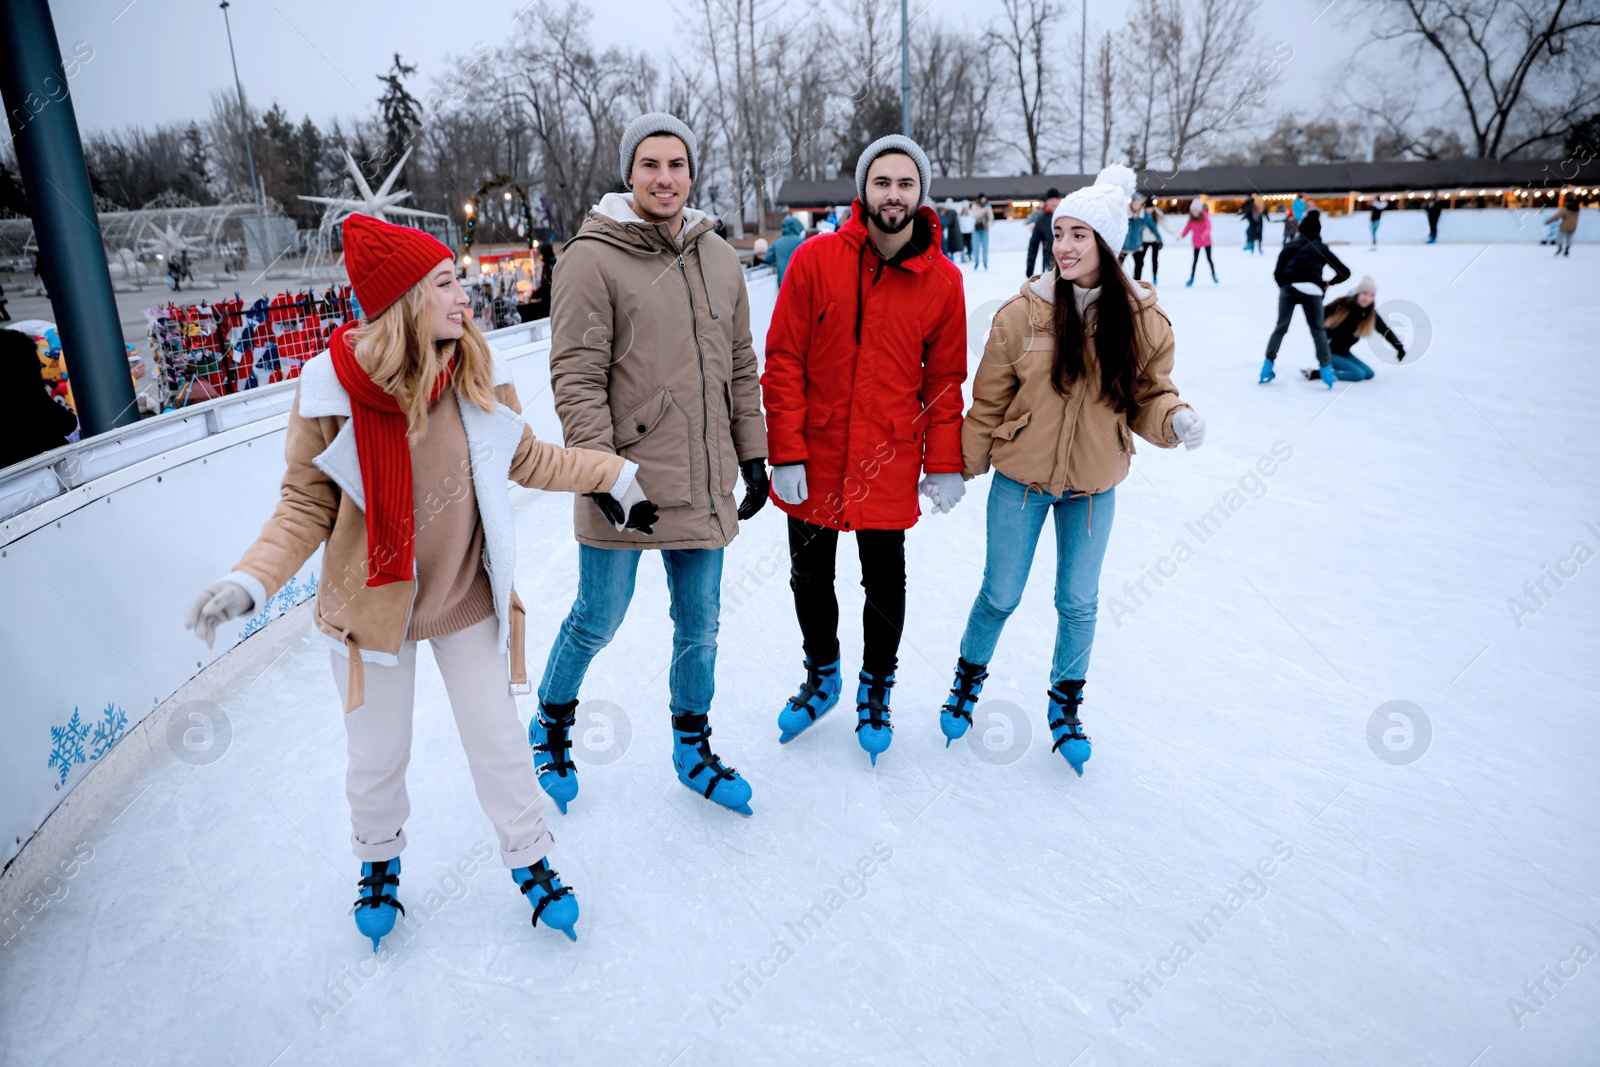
x=378, y=204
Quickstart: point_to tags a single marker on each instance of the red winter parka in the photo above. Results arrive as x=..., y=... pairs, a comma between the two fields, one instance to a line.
x=865, y=360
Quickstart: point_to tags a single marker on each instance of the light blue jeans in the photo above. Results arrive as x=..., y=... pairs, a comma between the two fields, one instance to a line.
x=1083, y=529
x=605, y=587
x=980, y=248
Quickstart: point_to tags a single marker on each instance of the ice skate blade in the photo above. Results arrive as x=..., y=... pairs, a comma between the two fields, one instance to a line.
x=374, y=946
x=742, y=809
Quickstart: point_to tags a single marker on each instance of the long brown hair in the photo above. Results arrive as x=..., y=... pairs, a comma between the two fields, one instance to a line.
x=1116, y=335
x=1343, y=308
x=395, y=351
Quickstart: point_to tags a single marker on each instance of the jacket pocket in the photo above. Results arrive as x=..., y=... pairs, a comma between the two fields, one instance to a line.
x=1006, y=431
x=655, y=435
x=726, y=455
x=825, y=312
x=1125, y=438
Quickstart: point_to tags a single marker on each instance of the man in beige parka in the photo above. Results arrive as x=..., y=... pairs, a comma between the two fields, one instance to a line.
x=651, y=358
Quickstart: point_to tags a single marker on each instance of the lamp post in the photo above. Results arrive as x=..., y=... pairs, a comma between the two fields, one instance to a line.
x=72, y=255
x=905, y=71
x=1083, y=78
x=244, y=116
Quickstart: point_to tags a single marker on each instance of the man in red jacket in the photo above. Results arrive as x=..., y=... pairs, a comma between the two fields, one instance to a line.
x=866, y=354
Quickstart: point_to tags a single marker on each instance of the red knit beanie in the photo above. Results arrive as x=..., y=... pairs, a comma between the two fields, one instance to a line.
x=384, y=260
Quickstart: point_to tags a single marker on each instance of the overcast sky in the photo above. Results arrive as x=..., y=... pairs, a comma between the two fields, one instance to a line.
x=157, y=62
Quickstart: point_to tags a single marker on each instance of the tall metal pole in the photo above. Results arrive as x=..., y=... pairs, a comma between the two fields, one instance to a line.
x=1083, y=80
x=72, y=256
x=905, y=71
x=244, y=116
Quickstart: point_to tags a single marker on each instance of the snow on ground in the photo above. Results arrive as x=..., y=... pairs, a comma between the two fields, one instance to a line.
x=1246, y=874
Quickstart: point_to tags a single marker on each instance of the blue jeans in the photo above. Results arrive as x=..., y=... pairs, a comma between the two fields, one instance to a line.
x=1348, y=368
x=980, y=248
x=1083, y=529
x=605, y=586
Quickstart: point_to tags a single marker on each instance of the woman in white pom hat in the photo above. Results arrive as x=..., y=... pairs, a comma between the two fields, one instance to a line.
x=1075, y=365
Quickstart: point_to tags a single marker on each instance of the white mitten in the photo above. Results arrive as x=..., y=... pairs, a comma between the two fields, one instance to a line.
x=789, y=482
x=1190, y=427
x=216, y=604
x=944, y=491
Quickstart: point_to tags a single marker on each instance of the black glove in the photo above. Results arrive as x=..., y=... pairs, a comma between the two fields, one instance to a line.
x=642, y=517
x=756, y=487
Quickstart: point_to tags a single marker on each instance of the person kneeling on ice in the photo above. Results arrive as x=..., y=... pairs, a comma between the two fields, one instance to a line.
x=1299, y=277
x=1348, y=319
x=1074, y=366
x=865, y=359
x=400, y=443
x=650, y=357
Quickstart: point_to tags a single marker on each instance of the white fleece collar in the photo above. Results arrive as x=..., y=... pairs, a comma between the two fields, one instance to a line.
x=619, y=206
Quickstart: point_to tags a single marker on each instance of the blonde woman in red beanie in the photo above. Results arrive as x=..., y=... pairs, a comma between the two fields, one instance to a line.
x=401, y=441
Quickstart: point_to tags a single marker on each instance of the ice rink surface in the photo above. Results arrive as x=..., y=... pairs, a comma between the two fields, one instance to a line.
x=1261, y=864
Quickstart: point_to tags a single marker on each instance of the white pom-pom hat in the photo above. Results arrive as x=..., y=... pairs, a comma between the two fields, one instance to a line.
x=1103, y=205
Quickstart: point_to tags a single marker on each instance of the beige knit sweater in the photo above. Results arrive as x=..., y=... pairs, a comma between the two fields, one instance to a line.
x=452, y=586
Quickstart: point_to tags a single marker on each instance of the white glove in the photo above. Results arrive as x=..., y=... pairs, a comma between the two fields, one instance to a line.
x=789, y=482
x=1190, y=427
x=944, y=491
x=216, y=604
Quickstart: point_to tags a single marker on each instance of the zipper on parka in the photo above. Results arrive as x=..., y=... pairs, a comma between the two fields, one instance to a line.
x=705, y=410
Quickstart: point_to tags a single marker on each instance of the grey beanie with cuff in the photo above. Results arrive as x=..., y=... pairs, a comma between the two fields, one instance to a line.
x=893, y=143
x=650, y=125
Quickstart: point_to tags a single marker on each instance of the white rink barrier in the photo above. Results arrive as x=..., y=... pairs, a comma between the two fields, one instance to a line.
x=1490, y=225
x=104, y=543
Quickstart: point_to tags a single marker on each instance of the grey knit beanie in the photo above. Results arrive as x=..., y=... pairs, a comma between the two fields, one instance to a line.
x=656, y=122
x=893, y=143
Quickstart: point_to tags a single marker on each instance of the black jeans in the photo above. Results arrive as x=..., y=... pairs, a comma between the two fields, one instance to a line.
x=1035, y=245
x=883, y=575
x=1288, y=298
x=1155, y=261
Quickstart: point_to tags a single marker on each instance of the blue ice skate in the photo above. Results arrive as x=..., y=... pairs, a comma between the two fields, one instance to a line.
x=873, y=728
x=956, y=715
x=818, y=695
x=376, y=907
x=1071, y=741
x=552, y=901
x=1267, y=372
x=550, y=735
x=701, y=769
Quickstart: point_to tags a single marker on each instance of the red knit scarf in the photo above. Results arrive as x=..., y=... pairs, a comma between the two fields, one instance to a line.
x=385, y=458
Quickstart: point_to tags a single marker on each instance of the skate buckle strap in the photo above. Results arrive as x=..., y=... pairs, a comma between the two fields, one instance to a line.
x=969, y=676
x=557, y=721
x=695, y=731
x=802, y=699
x=540, y=876
x=877, y=714
x=1067, y=716
x=378, y=882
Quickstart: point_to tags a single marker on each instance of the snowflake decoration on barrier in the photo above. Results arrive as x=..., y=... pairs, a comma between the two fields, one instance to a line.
x=109, y=730
x=297, y=591
x=66, y=746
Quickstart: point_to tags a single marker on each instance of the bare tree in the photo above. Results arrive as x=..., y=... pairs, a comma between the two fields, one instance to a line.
x=1023, y=37
x=1521, y=69
x=1203, y=48
x=1105, y=93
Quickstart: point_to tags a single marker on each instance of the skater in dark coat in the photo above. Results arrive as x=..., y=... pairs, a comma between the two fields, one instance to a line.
x=1349, y=319
x=1041, y=238
x=30, y=422
x=1299, y=278
x=1434, y=207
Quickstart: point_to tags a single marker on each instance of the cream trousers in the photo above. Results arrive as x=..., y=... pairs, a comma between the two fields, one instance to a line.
x=475, y=674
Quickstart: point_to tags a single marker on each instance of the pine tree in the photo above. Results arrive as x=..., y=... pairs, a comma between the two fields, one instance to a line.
x=401, y=115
